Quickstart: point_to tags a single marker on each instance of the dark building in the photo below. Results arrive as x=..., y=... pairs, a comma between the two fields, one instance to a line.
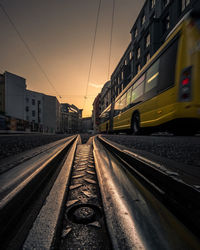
x=96, y=113
x=154, y=22
x=105, y=96
x=70, y=118
x=87, y=126
x=122, y=74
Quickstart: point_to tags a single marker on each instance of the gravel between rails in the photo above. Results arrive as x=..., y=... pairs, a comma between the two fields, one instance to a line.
x=184, y=149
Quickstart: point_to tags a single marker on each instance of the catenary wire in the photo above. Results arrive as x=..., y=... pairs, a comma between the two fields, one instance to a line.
x=111, y=36
x=28, y=49
x=92, y=53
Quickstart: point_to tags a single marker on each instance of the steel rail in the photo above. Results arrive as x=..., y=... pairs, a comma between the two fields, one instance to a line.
x=17, y=201
x=180, y=198
x=45, y=231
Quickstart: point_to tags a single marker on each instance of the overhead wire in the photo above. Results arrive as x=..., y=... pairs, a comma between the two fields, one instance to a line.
x=29, y=50
x=111, y=36
x=92, y=52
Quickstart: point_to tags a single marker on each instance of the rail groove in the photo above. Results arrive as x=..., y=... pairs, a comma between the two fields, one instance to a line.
x=180, y=198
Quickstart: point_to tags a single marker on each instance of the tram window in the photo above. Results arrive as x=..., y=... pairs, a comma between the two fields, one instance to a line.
x=117, y=108
x=128, y=97
x=152, y=76
x=123, y=102
x=167, y=67
x=137, y=89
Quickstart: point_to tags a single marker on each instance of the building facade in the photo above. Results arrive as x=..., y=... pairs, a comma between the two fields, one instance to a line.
x=23, y=109
x=51, y=114
x=155, y=21
x=70, y=118
x=96, y=113
x=12, y=95
x=105, y=96
x=87, y=126
x=34, y=110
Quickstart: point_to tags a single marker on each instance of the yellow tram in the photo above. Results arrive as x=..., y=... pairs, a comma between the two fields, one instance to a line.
x=166, y=91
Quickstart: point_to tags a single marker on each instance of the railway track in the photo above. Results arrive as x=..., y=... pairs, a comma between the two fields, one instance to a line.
x=24, y=190
x=96, y=196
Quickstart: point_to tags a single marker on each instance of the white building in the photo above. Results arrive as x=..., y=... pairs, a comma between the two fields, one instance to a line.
x=51, y=114
x=43, y=111
x=34, y=109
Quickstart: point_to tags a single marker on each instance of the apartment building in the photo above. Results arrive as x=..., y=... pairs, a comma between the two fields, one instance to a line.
x=154, y=22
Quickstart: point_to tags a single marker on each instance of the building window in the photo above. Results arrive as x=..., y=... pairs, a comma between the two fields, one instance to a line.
x=143, y=19
x=147, y=57
x=153, y=2
x=148, y=40
x=185, y=3
x=27, y=100
x=138, y=53
x=122, y=75
x=130, y=55
x=118, y=79
x=138, y=68
x=33, y=101
x=125, y=62
x=136, y=32
x=27, y=108
x=33, y=113
x=27, y=118
x=166, y=2
x=166, y=23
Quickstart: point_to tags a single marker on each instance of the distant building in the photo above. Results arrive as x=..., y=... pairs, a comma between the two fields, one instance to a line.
x=87, y=125
x=42, y=112
x=105, y=98
x=34, y=109
x=51, y=114
x=154, y=22
x=12, y=95
x=122, y=74
x=24, y=109
x=70, y=118
x=96, y=113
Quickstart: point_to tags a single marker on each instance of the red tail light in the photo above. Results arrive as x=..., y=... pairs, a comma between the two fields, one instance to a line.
x=185, y=85
x=185, y=81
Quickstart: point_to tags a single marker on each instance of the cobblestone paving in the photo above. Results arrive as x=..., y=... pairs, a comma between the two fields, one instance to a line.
x=15, y=144
x=184, y=149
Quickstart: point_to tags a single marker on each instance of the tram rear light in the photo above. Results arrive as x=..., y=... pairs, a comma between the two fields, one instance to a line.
x=185, y=85
x=185, y=81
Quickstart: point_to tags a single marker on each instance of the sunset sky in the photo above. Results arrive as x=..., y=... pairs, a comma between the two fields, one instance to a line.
x=60, y=34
